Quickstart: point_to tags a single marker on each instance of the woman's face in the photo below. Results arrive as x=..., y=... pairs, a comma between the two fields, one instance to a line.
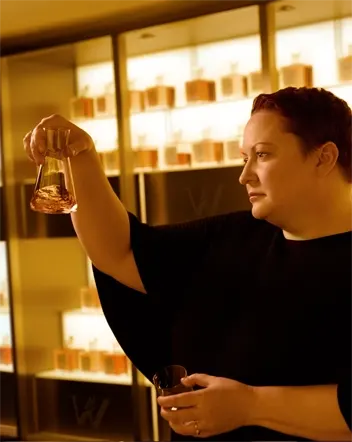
x=279, y=178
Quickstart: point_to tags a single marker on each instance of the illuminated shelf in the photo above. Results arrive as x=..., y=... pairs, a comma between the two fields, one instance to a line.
x=45, y=436
x=181, y=168
x=78, y=121
x=100, y=378
x=6, y=368
x=109, y=174
x=8, y=430
x=86, y=326
x=177, y=168
x=200, y=166
x=196, y=106
x=113, y=173
x=84, y=311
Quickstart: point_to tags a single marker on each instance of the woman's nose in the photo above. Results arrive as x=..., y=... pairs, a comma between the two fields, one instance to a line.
x=247, y=174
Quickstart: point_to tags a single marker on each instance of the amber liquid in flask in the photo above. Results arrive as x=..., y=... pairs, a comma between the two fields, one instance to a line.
x=54, y=189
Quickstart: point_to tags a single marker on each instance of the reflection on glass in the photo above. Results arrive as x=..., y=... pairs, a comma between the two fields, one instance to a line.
x=67, y=348
x=8, y=421
x=177, y=91
x=168, y=380
x=54, y=191
x=89, y=350
x=6, y=360
x=209, y=96
x=97, y=112
x=327, y=65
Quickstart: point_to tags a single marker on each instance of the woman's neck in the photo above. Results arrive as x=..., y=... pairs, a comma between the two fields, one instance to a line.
x=331, y=217
x=323, y=223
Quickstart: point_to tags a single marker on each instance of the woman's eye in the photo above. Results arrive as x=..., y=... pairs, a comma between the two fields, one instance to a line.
x=259, y=155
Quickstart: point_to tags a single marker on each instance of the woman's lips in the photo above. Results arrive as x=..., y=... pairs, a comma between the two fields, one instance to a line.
x=255, y=196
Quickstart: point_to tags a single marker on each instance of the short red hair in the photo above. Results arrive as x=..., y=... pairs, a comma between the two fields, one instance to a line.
x=316, y=116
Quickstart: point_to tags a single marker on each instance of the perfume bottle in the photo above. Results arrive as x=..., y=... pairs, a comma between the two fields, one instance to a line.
x=110, y=160
x=115, y=362
x=232, y=145
x=54, y=191
x=234, y=85
x=207, y=150
x=105, y=104
x=67, y=358
x=83, y=105
x=90, y=360
x=60, y=359
x=177, y=152
x=89, y=298
x=145, y=156
x=344, y=67
x=6, y=351
x=232, y=149
x=136, y=99
x=184, y=154
x=199, y=89
x=255, y=83
x=170, y=150
x=296, y=74
x=3, y=300
x=159, y=96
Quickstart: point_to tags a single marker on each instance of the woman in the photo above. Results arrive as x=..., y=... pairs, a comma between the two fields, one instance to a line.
x=258, y=303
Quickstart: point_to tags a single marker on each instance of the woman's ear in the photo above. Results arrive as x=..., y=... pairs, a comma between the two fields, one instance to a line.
x=327, y=156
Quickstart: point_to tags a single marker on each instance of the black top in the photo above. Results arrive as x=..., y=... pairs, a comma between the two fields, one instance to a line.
x=230, y=296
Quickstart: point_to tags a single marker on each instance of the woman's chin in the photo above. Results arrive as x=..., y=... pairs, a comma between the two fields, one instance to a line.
x=260, y=210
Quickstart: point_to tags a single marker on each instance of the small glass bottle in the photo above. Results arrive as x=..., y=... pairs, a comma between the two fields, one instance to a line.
x=115, y=362
x=54, y=191
x=296, y=74
x=66, y=358
x=89, y=298
x=255, y=83
x=177, y=152
x=145, y=156
x=345, y=67
x=199, y=90
x=6, y=351
x=105, y=104
x=160, y=96
x=4, y=302
x=208, y=150
x=234, y=85
x=82, y=106
x=136, y=98
x=90, y=360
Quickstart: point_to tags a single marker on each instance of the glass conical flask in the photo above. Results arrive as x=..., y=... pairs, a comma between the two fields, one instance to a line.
x=54, y=191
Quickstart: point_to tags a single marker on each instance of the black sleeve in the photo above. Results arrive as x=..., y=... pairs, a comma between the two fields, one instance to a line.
x=344, y=396
x=167, y=257
x=136, y=324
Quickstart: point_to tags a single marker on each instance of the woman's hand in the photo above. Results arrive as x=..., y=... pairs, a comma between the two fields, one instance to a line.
x=221, y=406
x=35, y=141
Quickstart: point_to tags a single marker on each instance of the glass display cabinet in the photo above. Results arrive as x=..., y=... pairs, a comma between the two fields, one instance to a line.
x=191, y=86
x=314, y=46
x=8, y=396
x=8, y=388
x=75, y=379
